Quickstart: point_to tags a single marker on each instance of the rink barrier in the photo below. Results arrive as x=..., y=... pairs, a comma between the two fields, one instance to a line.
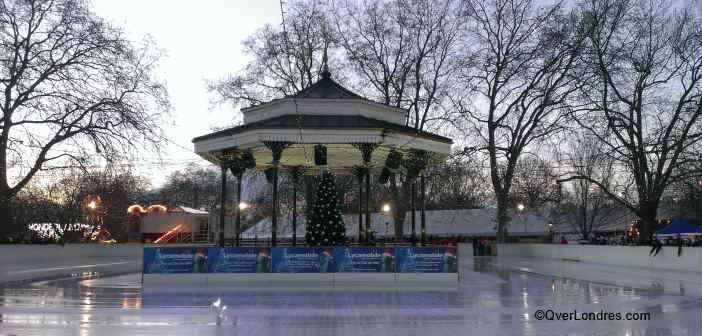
x=631, y=256
x=32, y=253
x=340, y=264
x=269, y=279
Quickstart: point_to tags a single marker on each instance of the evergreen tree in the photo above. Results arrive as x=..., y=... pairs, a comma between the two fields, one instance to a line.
x=325, y=225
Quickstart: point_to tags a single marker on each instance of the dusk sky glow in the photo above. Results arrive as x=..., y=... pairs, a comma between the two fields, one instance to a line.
x=201, y=40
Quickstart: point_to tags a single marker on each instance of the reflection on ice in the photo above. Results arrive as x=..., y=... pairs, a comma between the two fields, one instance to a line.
x=494, y=297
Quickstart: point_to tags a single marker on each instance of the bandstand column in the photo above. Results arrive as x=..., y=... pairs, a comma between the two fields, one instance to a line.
x=360, y=175
x=422, y=204
x=237, y=225
x=360, y=208
x=295, y=173
x=368, y=215
x=417, y=163
x=277, y=152
x=366, y=154
x=412, y=212
x=294, y=219
x=222, y=200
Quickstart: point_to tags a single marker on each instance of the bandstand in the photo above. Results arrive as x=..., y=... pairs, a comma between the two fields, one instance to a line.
x=325, y=126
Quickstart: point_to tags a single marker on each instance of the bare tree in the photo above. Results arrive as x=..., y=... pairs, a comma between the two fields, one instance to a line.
x=375, y=39
x=643, y=102
x=72, y=85
x=457, y=184
x=583, y=206
x=406, y=50
x=685, y=198
x=520, y=61
x=118, y=189
x=286, y=58
x=192, y=186
x=534, y=183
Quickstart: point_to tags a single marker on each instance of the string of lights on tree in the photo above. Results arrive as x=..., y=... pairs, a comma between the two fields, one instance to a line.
x=325, y=225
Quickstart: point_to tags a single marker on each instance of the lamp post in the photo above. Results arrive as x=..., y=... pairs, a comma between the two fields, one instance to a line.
x=243, y=206
x=386, y=210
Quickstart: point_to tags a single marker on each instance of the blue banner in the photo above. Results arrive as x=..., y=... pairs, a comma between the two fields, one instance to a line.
x=238, y=260
x=363, y=259
x=301, y=259
x=175, y=260
x=426, y=260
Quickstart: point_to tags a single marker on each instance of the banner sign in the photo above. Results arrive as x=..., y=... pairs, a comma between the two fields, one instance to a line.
x=426, y=260
x=301, y=259
x=364, y=259
x=175, y=260
x=238, y=260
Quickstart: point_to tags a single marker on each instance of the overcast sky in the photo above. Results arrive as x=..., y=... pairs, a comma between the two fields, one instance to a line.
x=202, y=40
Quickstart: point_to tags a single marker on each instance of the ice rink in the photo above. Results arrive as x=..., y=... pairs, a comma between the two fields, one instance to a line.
x=495, y=296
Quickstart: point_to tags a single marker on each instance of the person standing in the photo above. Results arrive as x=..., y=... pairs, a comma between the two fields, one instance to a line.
x=200, y=261
x=656, y=246
x=679, y=241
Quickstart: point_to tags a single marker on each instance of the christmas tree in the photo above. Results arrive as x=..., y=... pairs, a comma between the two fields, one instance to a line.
x=325, y=225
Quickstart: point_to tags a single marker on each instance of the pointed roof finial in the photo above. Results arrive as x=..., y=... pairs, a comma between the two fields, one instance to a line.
x=325, y=64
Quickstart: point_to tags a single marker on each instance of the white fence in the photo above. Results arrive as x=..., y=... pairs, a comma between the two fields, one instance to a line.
x=631, y=256
x=16, y=253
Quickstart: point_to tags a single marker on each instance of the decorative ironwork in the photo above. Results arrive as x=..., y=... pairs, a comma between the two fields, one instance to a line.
x=222, y=201
x=296, y=172
x=277, y=148
x=359, y=172
x=227, y=155
x=416, y=161
x=392, y=163
x=366, y=151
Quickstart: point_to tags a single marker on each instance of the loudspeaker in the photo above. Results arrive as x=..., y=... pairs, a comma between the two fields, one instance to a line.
x=320, y=155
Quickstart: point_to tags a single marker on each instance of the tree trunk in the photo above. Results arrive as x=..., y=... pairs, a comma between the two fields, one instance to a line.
x=648, y=221
x=399, y=208
x=7, y=220
x=503, y=217
x=7, y=223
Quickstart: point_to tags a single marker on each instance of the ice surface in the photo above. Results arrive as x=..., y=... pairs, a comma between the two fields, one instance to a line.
x=496, y=296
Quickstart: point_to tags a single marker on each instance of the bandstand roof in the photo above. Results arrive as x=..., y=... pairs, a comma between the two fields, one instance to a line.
x=324, y=113
x=326, y=87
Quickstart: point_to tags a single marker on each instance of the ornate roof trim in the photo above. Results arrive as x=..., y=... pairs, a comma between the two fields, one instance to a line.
x=323, y=122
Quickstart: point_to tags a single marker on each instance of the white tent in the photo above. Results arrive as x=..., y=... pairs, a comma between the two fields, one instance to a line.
x=467, y=222
x=475, y=222
x=262, y=229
